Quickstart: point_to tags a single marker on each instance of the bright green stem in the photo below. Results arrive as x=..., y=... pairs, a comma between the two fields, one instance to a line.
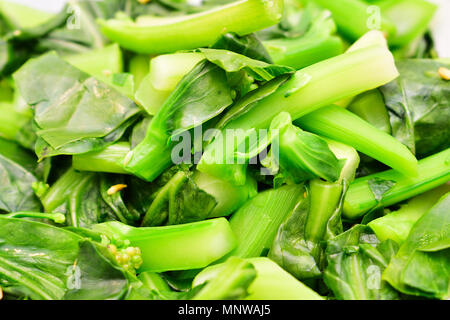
x=370, y=106
x=432, y=172
x=303, y=52
x=55, y=217
x=347, y=154
x=341, y=125
x=397, y=225
x=229, y=197
x=355, y=17
x=150, y=157
x=149, y=98
x=271, y=282
x=325, y=198
x=155, y=152
x=111, y=159
x=166, y=71
x=321, y=84
x=179, y=247
x=63, y=188
x=139, y=67
x=155, y=35
x=309, y=89
x=230, y=282
x=100, y=63
x=410, y=17
x=153, y=281
x=256, y=223
x=11, y=121
x=303, y=155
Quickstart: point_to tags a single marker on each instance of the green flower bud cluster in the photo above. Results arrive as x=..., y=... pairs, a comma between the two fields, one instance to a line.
x=127, y=256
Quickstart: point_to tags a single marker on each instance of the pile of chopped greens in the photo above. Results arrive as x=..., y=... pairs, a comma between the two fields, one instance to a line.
x=256, y=149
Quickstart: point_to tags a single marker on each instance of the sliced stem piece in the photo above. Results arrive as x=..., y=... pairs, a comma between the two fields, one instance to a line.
x=341, y=125
x=256, y=223
x=111, y=159
x=432, y=172
x=155, y=35
x=180, y=247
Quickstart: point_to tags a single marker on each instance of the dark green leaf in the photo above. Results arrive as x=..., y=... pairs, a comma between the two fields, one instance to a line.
x=421, y=267
x=79, y=196
x=248, y=45
x=11, y=57
x=66, y=121
x=303, y=155
x=116, y=201
x=356, y=260
x=39, y=261
x=244, y=104
x=295, y=22
x=419, y=106
x=380, y=186
x=17, y=179
x=234, y=62
x=99, y=279
x=179, y=201
x=201, y=95
x=291, y=250
x=230, y=282
x=139, y=132
x=298, y=247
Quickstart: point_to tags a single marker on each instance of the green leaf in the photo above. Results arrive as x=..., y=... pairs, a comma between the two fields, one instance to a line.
x=234, y=62
x=295, y=22
x=426, y=248
x=139, y=131
x=303, y=155
x=291, y=250
x=305, y=36
x=201, y=95
x=379, y=187
x=100, y=279
x=81, y=197
x=256, y=223
x=230, y=283
x=397, y=225
x=419, y=106
x=248, y=45
x=17, y=176
x=55, y=217
x=11, y=57
x=84, y=205
x=66, y=121
x=117, y=201
x=356, y=260
x=44, y=150
x=271, y=281
x=250, y=100
x=179, y=201
x=229, y=197
x=317, y=217
x=63, y=264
